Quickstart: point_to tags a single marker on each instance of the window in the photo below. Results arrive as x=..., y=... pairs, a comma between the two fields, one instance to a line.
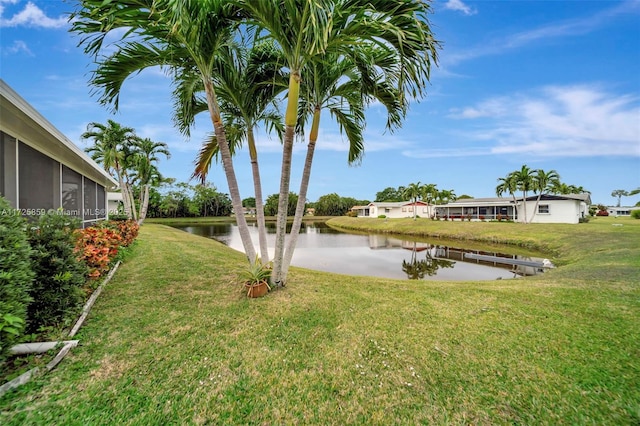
x=71, y=192
x=89, y=199
x=39, y=180
x=8, y=176
x=404, y=209
x=543, y=208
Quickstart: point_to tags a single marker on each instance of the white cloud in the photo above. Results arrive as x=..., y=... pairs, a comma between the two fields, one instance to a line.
x=17, y=47
x=459, y=6
x=567, y=121
x=566, y=28
x=30, y=16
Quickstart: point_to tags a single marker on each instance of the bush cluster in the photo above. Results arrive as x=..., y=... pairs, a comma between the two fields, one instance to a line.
x=635, y=214
x=98, y=247
x=16, y=277
x=60, y=274
x=48, y=267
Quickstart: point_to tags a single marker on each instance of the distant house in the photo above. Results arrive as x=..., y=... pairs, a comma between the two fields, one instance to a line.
x=394, y=209
x=551, y=209
x=621, y=211
x=42, y=170
x=569, y=208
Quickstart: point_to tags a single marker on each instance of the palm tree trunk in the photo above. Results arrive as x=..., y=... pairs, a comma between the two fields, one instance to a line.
x=227, y=164
x=291, y=117
x=144, y=205
x=126, y=201
x=302, y=196
x=535, y=209
x=257, y=185
x=524, y=206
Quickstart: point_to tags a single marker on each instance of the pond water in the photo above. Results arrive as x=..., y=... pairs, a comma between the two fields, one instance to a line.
x=326, y=249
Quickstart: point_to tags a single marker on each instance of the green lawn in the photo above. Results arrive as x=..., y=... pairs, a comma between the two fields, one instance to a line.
x=173, y=340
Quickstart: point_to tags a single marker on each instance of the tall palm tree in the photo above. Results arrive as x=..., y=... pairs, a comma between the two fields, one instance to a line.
x=508, y=184
x=429, y=193
x=145, y=155
x=619, y=193
x=247, y=81
x=111, y=148
x=413, y=192
x=525, y=180
x=343, y=86
x=182, y=36
x=543, y=182
x=306, y=30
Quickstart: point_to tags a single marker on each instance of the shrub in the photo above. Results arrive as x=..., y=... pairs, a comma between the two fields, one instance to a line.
x=635, y=214
x=97, y=247
x=16, y=276
x=382, y=216
x=481, y=217
x=126, y=229
x=602, y=213
x=60, y=275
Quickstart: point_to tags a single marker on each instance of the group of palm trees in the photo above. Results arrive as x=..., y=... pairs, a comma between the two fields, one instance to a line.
x=240, y=60
x=537, y=181
x=428, y=193
x=131, y=159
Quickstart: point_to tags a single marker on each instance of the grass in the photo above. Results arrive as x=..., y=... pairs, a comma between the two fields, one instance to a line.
x=173, y=340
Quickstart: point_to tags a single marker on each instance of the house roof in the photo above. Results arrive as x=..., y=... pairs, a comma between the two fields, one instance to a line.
x=20, y=120
x=504, y=201
x=390, y=204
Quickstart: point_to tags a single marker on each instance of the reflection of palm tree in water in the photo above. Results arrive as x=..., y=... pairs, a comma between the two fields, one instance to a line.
x=418, y=269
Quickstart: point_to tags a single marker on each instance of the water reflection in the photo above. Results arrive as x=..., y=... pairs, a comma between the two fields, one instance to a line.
x=323, y=248
x=418, y=269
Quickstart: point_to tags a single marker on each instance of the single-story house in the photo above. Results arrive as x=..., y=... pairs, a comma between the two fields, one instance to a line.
x=568, y=208
x=621, y=211
x=42, y=170
x=394, y=209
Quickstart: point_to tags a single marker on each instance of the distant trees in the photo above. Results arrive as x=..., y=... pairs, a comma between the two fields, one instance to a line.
x=335, y=205
x=185, y=200
x=390, y=194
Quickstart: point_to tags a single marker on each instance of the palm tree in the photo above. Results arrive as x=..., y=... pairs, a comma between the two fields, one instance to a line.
x=413, y=192
x=429, y=193
x=246, y=81
x=182, y=36
x=306, y=30
x=619, y=193
x=145, y=155
x=446, y=196
x=343, y=86
x=525, y=180
x=543, y=182
x=111, y=148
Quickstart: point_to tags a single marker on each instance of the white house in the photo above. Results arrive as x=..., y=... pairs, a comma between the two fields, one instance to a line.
x=394, y=209
x=41, y=169
x=551, y=209
x=569, y=208
x=621, y=211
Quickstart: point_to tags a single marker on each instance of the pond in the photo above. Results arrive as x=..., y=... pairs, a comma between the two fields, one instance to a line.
x=326, y=249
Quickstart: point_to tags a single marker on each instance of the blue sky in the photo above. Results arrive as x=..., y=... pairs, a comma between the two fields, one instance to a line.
x=550, y=84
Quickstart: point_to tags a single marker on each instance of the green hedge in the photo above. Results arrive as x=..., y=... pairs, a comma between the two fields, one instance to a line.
x=16, y=276
x=57, y=290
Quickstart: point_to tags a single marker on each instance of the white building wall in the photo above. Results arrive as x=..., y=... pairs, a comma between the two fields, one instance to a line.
x=560, y=211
